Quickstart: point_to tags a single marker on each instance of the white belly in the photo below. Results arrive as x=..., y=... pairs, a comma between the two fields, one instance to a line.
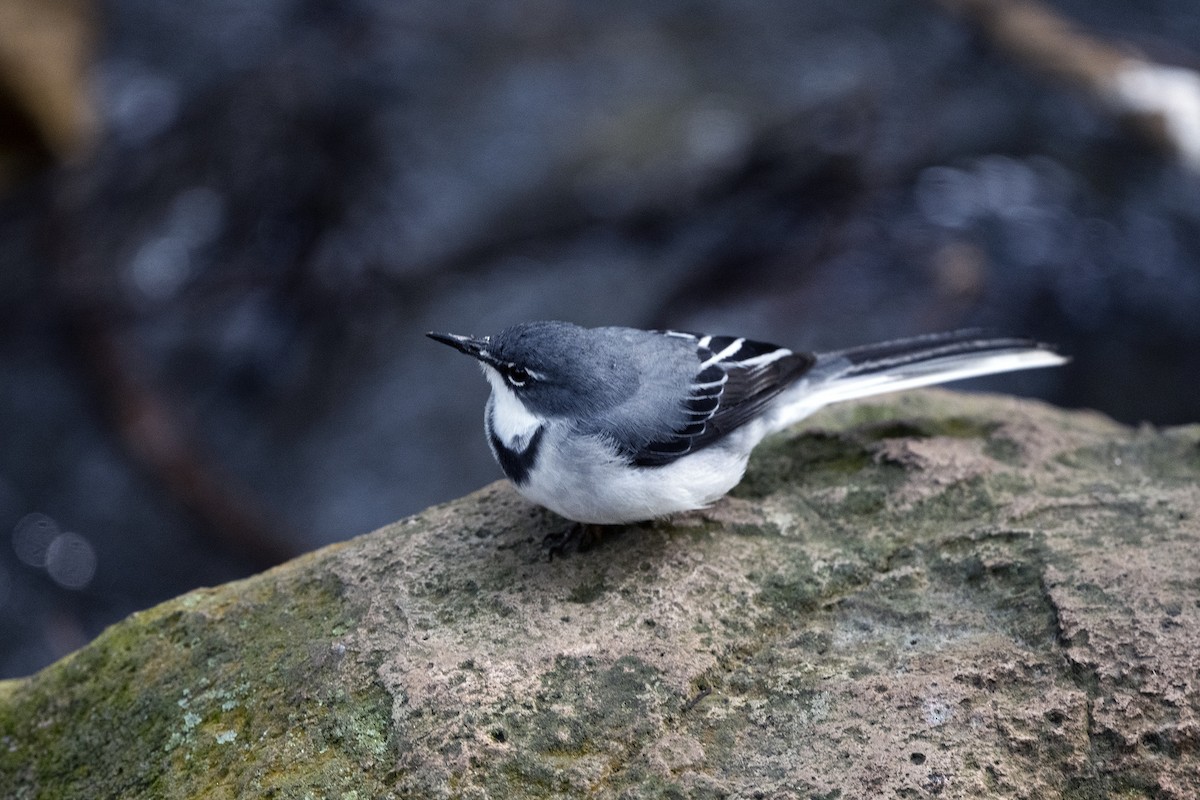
x=586, y=483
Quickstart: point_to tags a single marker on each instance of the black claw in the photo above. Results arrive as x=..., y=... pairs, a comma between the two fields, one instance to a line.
x=578, y=537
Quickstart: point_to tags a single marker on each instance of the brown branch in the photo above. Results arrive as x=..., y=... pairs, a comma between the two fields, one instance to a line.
x=1161, y=102
x=45, y=49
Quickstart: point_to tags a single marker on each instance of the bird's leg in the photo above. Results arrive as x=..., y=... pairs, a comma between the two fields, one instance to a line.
x=578, y=537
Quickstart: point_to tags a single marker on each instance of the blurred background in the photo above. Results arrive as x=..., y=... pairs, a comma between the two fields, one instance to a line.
x=225, y=226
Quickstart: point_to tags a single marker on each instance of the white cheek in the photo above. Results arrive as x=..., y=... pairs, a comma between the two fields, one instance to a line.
x=511, y=420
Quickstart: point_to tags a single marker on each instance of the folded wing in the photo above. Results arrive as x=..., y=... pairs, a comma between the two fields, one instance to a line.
x=735, y=379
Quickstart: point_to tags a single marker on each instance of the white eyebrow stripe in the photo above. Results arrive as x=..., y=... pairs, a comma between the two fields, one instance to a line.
x=724, y=354
x=704, y=341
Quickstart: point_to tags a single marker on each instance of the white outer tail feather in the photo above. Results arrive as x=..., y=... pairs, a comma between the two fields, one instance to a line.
x=816, y=392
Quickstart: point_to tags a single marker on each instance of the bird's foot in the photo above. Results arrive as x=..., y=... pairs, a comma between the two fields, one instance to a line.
x=578, y=537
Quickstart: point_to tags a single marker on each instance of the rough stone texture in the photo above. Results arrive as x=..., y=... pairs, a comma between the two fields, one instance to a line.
x=929, y=595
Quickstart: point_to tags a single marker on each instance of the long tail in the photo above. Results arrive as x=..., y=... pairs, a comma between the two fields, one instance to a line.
x=909, y=363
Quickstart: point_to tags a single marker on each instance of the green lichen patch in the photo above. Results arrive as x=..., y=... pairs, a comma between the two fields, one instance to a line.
x=956, y=427
x=814, y=457
x=173, y=701
x=587, y=714
x=968, y=500
x=1172, y=459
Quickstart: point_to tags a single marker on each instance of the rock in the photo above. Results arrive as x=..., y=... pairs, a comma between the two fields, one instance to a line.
x=929, y=595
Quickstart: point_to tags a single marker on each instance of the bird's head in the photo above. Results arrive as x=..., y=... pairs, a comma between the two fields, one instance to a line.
x=552, y=368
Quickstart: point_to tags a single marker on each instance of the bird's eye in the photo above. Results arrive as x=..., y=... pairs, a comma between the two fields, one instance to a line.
x=517, y=376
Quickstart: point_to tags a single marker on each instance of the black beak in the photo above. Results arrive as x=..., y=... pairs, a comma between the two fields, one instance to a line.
x=463, y=344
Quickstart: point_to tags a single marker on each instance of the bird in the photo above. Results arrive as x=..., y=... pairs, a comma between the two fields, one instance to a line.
x=616, y=425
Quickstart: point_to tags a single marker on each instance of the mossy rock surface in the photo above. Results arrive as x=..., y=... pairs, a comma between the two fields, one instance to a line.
x=930, y=595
